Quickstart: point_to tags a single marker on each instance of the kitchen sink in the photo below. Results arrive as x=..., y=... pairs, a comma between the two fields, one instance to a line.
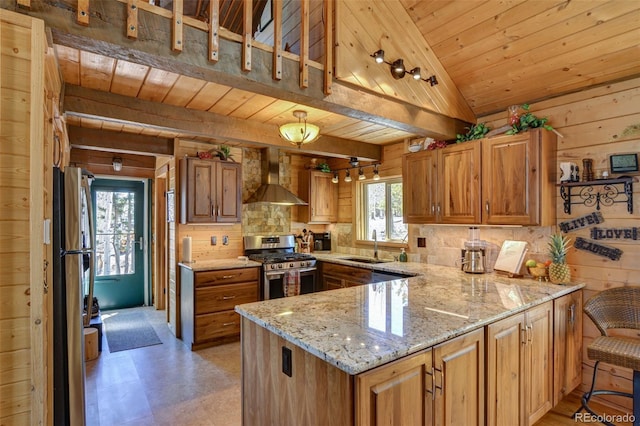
x=364, y=260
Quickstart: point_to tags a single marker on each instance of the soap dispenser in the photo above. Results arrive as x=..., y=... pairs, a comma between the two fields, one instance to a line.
x=403, y=255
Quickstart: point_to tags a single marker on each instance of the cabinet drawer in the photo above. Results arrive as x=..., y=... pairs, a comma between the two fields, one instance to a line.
x=220, y=324
x=347, y=272
x=332, y=283
x=224, y=297
x=226, y=276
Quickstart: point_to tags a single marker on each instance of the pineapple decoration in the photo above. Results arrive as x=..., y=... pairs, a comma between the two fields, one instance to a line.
x=559, y=271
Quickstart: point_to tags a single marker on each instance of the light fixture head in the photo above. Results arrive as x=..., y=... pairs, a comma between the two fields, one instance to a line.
x=432, y=80
x=301, y=132
x=354, y=161
x=398, y=69
x=335, y=178
x=415, y=73
x=117, y=164
x=361, y=175
x=347, y=178
x=378, y=56
x=376, y=175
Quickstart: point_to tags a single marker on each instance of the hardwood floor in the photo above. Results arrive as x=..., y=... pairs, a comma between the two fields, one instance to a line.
x=170, y=385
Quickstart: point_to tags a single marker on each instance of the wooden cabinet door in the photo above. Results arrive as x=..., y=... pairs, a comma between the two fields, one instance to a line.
x=200, y=189
x=459, y=192
x=419, y=183
x=323, y=198
x=394, y=394
x=505, y=371
x=228, y=208
x=539, y=361
x=459, y=380
x=510, y=180
x=567, y=344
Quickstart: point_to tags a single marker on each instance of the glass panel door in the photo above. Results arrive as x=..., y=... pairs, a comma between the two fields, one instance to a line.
x=118, y=210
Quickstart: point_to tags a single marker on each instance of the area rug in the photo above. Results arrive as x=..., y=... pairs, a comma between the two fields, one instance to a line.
x=128, y=330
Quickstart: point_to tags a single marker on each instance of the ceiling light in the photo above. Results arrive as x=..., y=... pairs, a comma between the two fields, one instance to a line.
x=398, y=70
x=378, y=56
x=117, y=164
x=301, y=132
x=376, y=175
x=347, y=178
x=361, y=175
x=335, y=178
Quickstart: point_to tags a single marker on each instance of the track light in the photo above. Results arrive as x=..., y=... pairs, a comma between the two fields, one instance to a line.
x=335, y=178
x=361, y=175
x=398, y=70
x=347, y=178
x=378, y=56
x=353, y=165
x=376, y=175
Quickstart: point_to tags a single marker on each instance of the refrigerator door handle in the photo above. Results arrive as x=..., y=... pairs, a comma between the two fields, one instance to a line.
x=92, y=255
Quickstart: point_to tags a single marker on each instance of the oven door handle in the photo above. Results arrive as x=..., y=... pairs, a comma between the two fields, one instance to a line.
x=281, y=273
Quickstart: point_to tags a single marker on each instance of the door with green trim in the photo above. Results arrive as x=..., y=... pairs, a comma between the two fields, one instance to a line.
x=119, y=222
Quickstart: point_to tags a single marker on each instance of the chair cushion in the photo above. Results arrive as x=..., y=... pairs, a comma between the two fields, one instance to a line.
x=620, y=351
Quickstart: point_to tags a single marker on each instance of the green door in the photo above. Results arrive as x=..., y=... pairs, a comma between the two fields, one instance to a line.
x=118, y=207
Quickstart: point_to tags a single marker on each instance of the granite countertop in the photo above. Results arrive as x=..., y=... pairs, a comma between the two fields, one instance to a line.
x=359, y=328
x=212, y=265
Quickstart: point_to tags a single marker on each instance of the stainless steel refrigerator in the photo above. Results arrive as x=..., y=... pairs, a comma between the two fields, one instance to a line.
x=73, y=278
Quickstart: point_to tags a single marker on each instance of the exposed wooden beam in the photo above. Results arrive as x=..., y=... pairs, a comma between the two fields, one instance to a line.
x=107, y=36
x=101, y=163
x=124, y=143
x=94, y=104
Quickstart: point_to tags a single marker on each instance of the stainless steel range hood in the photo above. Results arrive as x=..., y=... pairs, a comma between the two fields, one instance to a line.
x=271, y=191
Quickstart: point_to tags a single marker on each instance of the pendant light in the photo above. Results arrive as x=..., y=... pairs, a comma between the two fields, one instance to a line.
x=301, y=132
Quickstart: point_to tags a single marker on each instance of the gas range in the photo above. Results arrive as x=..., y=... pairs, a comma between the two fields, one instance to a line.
x=281, y=261
x=277, y=255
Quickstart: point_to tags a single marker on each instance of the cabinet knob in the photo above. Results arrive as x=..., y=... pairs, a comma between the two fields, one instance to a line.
x=486, y=206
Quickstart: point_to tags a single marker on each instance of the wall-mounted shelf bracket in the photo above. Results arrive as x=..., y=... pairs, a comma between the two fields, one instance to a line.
x=603, y=192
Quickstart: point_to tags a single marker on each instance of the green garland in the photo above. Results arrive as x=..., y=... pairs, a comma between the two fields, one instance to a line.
x=528, y=121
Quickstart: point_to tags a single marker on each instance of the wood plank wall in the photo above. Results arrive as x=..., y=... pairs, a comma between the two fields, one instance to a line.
x=25, y=178
x=597, y=123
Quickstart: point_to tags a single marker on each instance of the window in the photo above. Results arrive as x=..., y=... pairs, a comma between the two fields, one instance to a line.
x=381, y=209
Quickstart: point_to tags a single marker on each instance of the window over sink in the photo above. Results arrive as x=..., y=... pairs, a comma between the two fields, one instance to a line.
x=380, y=208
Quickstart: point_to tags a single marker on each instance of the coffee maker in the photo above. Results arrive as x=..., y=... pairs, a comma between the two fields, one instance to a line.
x=322, y=241
x=473, y=254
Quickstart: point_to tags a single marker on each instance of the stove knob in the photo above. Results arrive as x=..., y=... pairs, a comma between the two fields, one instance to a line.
x=279, y=265
x=291, y=265
x=273, y=266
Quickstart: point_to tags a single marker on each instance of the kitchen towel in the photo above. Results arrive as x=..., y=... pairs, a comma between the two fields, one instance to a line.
x=186, y=249
x=291, y=283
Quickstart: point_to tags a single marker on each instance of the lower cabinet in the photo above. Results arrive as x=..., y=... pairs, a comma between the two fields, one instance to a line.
x=207, y=303
x=520, y=367
x=443, y=385
x=340, y=276
x=567, y=344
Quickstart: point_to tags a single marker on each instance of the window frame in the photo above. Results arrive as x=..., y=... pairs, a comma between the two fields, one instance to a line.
x=361, y=219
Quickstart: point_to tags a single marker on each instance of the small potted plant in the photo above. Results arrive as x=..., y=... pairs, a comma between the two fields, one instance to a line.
x=224, y=152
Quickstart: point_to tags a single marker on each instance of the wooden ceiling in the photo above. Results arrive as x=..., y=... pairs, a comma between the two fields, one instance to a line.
x=497, y=53
x=501, y=53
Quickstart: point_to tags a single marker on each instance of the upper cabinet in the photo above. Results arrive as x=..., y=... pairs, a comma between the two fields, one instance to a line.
x=518, y=186
x=210, y=191
x=442, y=186
x=505, y=180
x=321, y=194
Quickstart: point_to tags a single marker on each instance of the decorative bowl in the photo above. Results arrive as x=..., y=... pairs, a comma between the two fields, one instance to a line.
x=415, y=148
x=539, y=273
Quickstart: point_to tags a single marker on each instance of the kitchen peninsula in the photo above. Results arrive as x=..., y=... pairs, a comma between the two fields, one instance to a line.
x=412, y=351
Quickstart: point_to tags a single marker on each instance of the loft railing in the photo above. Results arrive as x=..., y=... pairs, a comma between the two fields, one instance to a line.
x=216, y=31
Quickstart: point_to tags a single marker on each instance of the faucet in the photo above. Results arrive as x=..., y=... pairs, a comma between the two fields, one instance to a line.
x=375, y=245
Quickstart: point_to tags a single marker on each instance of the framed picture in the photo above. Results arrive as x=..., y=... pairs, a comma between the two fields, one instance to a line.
x=624, y=163
x=171, y=207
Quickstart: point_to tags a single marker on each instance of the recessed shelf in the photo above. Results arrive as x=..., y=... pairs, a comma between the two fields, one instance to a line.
x=601, y=192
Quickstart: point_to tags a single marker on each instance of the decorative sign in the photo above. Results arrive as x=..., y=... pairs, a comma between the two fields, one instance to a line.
x=615, y=234
x=599, y=249
x=594, y=218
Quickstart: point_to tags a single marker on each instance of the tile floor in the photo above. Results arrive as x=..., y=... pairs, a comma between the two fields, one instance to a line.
x=165, y=384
